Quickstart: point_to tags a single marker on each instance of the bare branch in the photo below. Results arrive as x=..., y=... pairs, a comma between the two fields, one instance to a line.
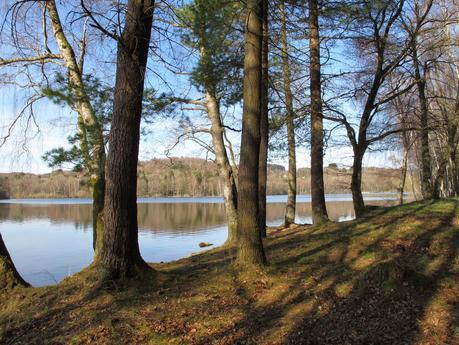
x=39, y=58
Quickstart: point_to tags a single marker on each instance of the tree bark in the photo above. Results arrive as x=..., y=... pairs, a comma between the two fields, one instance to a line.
x=403, y=175
x=224, y=166
x=426, y=169
x=436, y=188
x=450, y=155
x=119, y=256
x=356, y=183
x=455, y=176
x=319, y=209
x=250, y=245
x=291, y=174
x=92, y=126
x=9, y=276
x=453, y=153
x=98, y=199
x=404, y=167
x=264, y=127
x=217, y=132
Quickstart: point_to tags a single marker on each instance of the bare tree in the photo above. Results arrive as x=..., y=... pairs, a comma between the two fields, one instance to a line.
x=379, y=40
x=420, y=77
x=433, y=69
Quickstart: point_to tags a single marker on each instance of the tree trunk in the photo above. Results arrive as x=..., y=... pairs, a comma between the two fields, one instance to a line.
x=224, y=166
x=436, y=190
x=356, y=182
x=250, y=245
x=406, y=149
x=291, y=174
x=98, y=199
x=404, y=171
x=319, y=209
x=9, y=276
x=453, y=146
x=264, y=127
x=455, y=176
x=119, y=255
x=426, y=169
x=454, y=156
x=451, y=149
x=92, y=126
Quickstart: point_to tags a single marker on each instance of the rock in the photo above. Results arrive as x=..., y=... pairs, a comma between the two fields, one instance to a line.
x=205, y=244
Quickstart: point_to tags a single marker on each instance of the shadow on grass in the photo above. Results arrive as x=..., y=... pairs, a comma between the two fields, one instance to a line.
x=390, y=277
x=385, y=283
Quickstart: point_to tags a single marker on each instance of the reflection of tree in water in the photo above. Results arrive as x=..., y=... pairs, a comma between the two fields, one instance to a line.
x=78, y=214
x=337, y=211
x=176, y=217
x=170, y=217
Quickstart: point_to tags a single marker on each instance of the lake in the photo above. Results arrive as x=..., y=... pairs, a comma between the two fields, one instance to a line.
x=49, y=239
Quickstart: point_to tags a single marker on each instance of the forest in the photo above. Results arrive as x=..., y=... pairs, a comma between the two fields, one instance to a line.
x=196, y=177
x=251, y=85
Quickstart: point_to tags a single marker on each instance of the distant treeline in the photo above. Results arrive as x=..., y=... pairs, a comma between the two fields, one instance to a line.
x=188, y=177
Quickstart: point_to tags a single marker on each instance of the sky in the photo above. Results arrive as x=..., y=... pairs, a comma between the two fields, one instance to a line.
x=23, y=152
x=57, y=123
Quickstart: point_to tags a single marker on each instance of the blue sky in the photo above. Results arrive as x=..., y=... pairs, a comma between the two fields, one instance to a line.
x=56, y=123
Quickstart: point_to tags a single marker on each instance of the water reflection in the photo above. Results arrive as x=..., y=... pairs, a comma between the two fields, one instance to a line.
x=50, y=240
x=166, y=217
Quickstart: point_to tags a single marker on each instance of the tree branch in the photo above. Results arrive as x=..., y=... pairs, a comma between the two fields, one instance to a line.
x=39, y=58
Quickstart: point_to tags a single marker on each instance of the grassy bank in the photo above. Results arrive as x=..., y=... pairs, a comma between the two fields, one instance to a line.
x=391, y=277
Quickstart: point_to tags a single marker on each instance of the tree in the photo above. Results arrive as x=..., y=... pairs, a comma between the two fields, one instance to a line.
x=385, y=49
x=119, y=256
x=78, y=156
x=90, y=127
x=319, y=209
x=35, y=60
x=290, y=208
x=446, y=148
x=4, y=189
x=404, y=108
x=9, y=276
x=264, y=123
x=209, y=26
x=420, y=78
x=250, y=246
x=432, y=68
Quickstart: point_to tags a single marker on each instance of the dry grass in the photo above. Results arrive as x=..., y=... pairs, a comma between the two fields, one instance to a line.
x=391, y=277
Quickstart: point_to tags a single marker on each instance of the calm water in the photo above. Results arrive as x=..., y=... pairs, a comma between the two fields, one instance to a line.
x=50, y=239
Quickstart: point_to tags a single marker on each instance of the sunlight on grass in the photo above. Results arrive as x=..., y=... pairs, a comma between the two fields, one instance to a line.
x=399, y=268
x=343, y=290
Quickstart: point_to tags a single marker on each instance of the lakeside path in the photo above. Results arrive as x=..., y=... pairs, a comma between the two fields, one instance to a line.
x=391, y=277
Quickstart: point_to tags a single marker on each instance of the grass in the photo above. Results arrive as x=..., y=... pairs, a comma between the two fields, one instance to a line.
x=391, y=277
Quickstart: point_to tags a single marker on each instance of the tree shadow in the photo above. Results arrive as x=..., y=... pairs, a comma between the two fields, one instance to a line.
x=362, y=286
x=388, y=278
